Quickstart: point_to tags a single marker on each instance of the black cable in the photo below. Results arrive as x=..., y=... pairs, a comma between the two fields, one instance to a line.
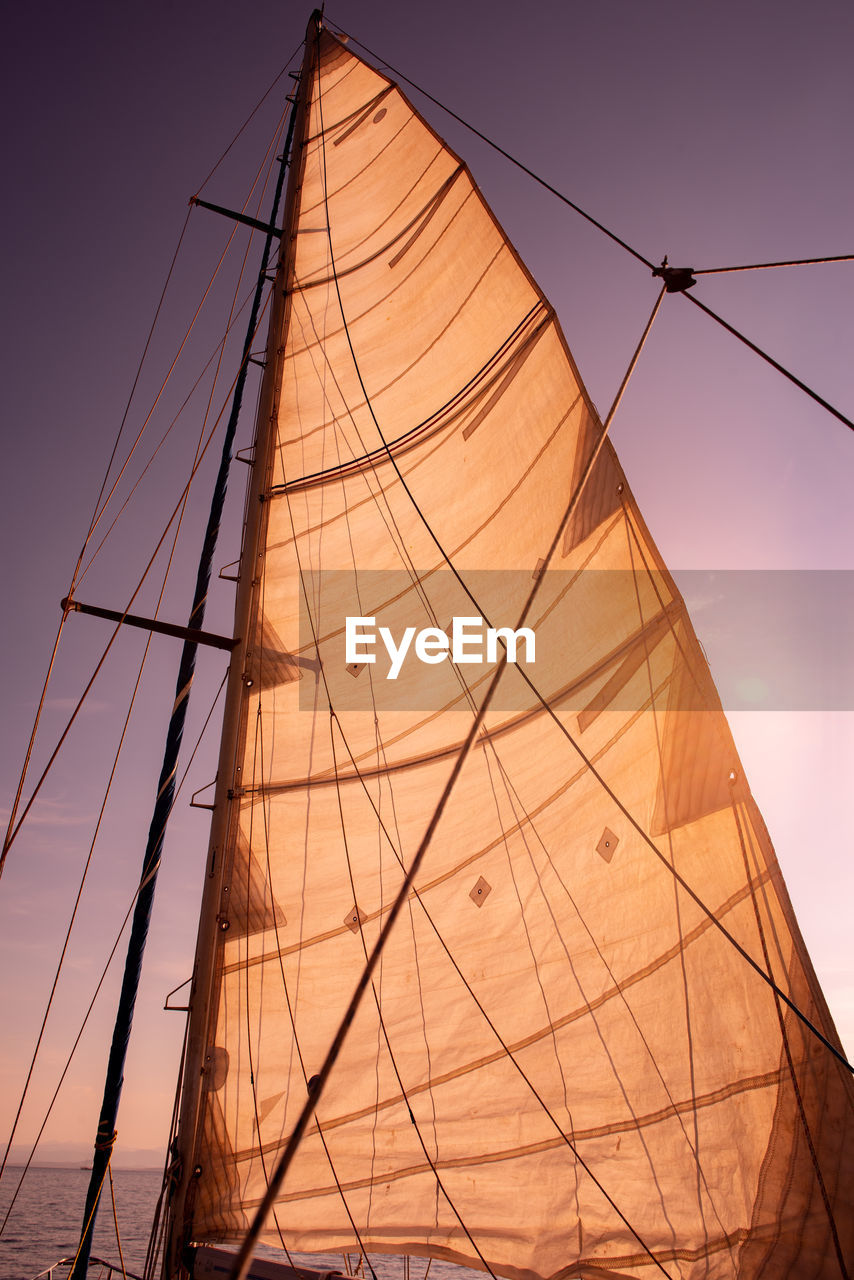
x=796, y=1089
x=550, y=711
x=762, y=266
x=622, y=243
x=770, y=360
x=507, y=156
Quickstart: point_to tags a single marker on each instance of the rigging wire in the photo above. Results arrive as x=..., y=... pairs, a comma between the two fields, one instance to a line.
x=116, y=1221
x=241, y=1263
x=11, y=829
x=164, y=799
x=118, y=627
x=156, y=1236
x=763, y=266
x=250, y=117
x=102, y=978
x=550, y=711
x=265, y=164
x=689, y=1035
x=214, y=355
x=117, y=755
x=74, y=910
x=836, y=413
x=775, y=364
x=507, y=156
x=100, y=506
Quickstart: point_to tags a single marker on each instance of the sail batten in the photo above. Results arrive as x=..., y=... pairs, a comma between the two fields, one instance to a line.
x=563, y=1065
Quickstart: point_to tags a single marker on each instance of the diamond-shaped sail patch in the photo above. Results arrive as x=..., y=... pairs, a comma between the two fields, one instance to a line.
x=354, y=919
x=480, y=892
x=607, y=844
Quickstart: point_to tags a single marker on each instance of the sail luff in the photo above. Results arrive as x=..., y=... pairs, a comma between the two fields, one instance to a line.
x=228, y=781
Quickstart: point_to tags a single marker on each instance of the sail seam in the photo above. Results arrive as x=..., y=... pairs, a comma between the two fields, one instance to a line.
x=295, y=352
x=319, y=206
x=446, y=416
x=752, y=1084
x=419, y=220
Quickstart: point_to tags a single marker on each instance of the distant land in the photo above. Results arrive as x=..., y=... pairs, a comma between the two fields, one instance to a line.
x=72, y=1155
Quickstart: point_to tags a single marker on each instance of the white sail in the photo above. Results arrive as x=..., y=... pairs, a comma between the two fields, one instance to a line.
x=563, y=1065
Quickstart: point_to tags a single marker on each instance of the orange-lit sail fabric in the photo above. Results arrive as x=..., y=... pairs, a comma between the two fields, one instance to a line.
x=562, y=1065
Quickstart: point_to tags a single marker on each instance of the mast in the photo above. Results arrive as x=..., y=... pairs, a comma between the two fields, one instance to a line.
x=106, y=1131
x=228, y=778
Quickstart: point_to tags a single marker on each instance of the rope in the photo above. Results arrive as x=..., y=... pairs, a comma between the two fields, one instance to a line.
x=88, y=1225
x=175, y=511
x=74, y=909
x=116, y=1218
x=11, y=829
x=96, y=832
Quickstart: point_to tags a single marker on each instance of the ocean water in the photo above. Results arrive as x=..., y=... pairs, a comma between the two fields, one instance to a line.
x=44, y=1226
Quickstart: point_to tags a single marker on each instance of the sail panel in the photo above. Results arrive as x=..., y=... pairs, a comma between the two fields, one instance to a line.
x=561, y=1048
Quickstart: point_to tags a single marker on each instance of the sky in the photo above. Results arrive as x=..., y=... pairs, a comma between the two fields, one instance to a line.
x=716, y=134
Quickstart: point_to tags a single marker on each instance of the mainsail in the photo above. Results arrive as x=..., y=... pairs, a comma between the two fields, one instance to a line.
x=564, y=1065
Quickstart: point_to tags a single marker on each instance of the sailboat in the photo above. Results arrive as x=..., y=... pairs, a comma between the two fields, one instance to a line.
x=491, y=919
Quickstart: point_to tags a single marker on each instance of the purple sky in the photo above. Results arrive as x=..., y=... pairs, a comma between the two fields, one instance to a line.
x=718, y=134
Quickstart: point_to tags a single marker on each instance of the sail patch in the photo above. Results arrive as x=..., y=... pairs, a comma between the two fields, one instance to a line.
x=355, y=918
x=607, y=845
x=480, y=892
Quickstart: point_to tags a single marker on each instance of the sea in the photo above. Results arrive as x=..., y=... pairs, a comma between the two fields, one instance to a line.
x=44, y=1226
